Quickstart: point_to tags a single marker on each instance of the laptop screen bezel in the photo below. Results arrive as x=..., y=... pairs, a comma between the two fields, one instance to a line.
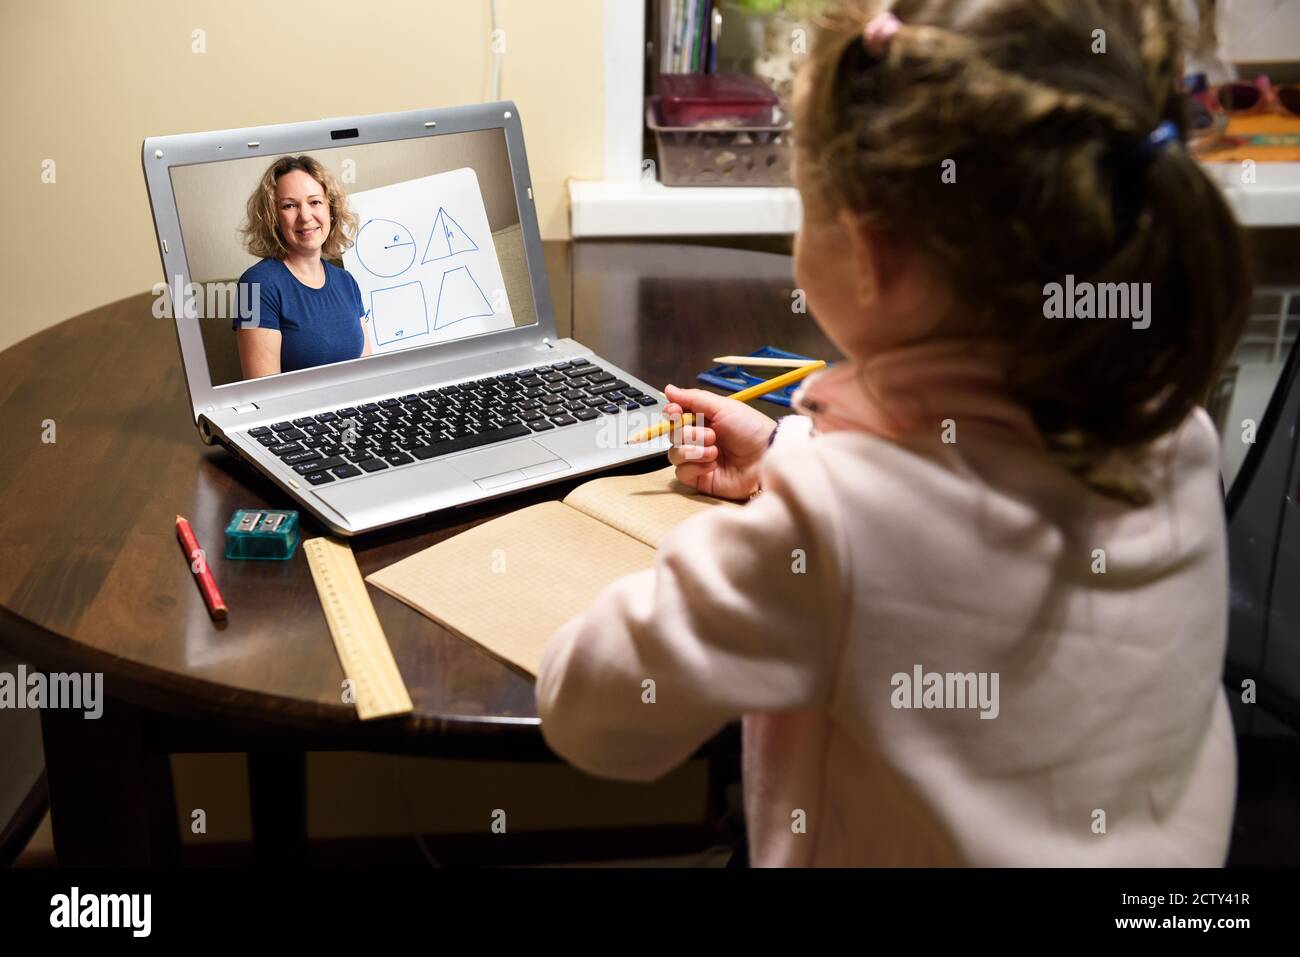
x=160, y=153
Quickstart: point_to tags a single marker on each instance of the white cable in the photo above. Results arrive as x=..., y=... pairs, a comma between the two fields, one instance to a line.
x=496, y=55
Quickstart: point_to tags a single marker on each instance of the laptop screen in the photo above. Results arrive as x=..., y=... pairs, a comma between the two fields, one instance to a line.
x=338, y=254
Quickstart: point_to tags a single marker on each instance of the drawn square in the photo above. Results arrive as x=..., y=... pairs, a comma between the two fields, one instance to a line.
x=399, y=312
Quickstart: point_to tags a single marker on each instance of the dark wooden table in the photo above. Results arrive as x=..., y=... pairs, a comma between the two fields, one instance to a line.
x=93, y=580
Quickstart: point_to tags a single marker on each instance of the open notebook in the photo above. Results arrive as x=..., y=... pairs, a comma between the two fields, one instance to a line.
x=508, y=584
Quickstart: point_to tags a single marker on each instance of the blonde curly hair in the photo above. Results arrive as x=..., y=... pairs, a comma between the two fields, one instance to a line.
x=260, y=230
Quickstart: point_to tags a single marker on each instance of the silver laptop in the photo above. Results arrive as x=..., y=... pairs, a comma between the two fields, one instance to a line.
x=465, y=394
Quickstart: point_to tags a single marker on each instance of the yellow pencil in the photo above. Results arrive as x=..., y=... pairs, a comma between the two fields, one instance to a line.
x=761, y=361
x=744, y=395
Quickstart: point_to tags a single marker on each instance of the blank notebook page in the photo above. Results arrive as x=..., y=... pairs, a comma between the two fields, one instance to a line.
x=646, y=506
x=510, y=583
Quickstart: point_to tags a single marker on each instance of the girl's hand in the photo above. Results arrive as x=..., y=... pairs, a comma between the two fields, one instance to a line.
x=721, y=455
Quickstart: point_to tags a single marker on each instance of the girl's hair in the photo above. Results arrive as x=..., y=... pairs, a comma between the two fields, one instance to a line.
x=261, y=229
x=1052, y=175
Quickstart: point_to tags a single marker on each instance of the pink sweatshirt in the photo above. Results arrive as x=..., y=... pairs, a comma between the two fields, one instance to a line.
x=945, y=649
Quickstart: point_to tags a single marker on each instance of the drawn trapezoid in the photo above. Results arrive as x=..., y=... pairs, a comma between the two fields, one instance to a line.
x=459, y=297
x=446, y=239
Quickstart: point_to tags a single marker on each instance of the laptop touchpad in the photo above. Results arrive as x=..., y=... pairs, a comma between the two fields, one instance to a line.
x=511, y=463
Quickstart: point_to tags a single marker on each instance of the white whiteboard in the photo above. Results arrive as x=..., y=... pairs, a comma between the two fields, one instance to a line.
x=425, y=262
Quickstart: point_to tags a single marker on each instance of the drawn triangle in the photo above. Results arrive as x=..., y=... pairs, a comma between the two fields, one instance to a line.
x=446, y=239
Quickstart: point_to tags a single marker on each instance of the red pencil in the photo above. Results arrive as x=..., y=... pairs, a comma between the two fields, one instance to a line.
x=199, y=565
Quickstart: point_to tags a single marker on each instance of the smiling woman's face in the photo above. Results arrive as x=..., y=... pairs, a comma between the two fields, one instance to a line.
x=303, y=212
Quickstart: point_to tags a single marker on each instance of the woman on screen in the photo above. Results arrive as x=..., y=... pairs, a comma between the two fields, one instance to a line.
x=310, y=311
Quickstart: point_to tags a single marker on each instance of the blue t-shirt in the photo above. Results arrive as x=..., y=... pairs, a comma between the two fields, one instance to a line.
x=317, y=326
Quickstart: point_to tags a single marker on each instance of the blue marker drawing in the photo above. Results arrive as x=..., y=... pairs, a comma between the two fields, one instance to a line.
x=446, y=239
x=385, y=247
x=399, y=312
x=459, y=297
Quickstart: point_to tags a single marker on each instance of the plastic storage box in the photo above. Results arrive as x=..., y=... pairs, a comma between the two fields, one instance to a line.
x=723, y=155
x=693, y=99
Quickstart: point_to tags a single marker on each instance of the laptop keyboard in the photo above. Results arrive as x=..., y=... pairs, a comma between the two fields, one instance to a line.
x=390, y=433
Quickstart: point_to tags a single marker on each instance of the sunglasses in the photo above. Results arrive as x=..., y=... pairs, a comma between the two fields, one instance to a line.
x=1238, y=98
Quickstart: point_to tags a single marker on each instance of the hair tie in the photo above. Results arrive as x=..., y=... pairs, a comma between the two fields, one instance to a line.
x=1159, y=138
x=878, y=31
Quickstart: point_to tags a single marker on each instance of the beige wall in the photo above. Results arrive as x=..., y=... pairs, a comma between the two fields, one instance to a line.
x=84, y=82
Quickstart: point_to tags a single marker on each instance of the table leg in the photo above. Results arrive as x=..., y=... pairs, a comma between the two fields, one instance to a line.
x=111, y=800
x=277, y=793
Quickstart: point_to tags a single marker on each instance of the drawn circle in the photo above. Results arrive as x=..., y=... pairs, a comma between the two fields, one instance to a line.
x=385, y=248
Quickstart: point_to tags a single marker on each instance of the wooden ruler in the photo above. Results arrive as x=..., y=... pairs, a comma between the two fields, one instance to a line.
x=363, y=650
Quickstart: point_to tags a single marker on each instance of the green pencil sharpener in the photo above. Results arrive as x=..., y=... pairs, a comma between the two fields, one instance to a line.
x=262, y=533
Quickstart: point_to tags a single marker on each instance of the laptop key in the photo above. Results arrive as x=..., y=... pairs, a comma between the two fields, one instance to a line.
x=646, y=400
x=285, y=448
x=270, y=440
x=487, y=437
x=307, y=455
x=282, y=427
x=531, y=415
x=322, y=465
x=372, y=465
x=305, y=420
x=586, y=415
x=258, y=432
x=541, y=425
x=398, y=458
x=609, y=409
x=345, y=471
x=319, y=478
x=326, y=417
x=293, y=435
x=563, y=420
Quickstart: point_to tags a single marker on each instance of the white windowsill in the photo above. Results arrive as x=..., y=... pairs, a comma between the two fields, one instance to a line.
x=646, y=208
